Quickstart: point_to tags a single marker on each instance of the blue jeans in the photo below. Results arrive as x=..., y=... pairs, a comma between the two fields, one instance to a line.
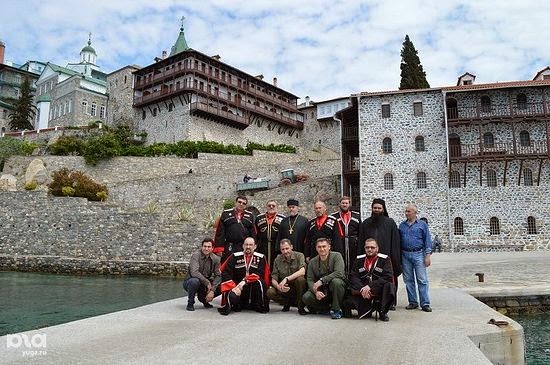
x=192, y=286
x=413, y=266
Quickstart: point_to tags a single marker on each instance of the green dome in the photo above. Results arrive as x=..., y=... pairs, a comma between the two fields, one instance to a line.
x=88, y=48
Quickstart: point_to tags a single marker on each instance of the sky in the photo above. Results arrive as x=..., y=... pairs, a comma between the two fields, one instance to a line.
x=322, y=49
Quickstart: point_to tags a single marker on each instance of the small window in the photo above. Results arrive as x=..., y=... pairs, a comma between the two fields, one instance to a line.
x=531, y=225
x=455, y=179
x=84, y=107
x=170, y=107
x=491, y=178
x=494, y=226
x=421, y=180
x=388, y=181
x=385, y=110
x=489, y=140
x=154, y=112
x=524, y=139
x=485, y=104
x=419, y=144
x=94, y=109
x=417, y=108
x=459, y=226
x=143, y=114
x=387, y=145
x=521, y=100
x=527, y=177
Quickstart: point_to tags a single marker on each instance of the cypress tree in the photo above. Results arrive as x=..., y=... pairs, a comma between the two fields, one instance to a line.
x=412, y=73
x=23, y=114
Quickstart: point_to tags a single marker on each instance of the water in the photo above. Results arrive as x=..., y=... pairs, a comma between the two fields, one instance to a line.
x=33, y=300
x=537, y=337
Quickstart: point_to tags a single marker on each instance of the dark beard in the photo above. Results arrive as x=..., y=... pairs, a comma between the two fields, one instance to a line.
x=376, y=219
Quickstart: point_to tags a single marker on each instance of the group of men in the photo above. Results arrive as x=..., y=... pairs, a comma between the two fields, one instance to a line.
x=330, y=264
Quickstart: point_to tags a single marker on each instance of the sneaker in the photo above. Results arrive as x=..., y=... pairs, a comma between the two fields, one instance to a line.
x=286, y=308
x=190, y=307
x=426, y=308
x=412, y=306
x=336, y=314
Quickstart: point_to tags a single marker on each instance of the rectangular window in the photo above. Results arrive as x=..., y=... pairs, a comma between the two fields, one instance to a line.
x=102, y=111
x=417, y=107
x=94, y=109
x=385, y=110
x=85, y=107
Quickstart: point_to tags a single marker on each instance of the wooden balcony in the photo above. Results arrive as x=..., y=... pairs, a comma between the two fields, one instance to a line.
x=350, y=133
x=498, y=151
x=525, y=111
x=351, y=166
x=224, y=116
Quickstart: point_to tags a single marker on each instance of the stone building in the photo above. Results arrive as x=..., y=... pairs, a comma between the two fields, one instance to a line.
x=191, y=96
x=474, y=158
x=72, y=95
x=120, y=87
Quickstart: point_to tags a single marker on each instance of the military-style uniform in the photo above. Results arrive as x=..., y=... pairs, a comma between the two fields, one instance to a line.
x=322, y=227
x=231, y=230
x=267, y=229
x=253, y=270
x=348, y=229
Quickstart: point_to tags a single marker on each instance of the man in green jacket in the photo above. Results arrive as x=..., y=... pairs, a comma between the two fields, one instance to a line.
x=325, y=280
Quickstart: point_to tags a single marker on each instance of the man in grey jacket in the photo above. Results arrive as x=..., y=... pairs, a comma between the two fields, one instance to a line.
x=203, y=275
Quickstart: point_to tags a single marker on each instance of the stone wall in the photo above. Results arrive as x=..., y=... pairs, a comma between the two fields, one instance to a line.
x=317, y=133
x=121, y=93
x=511, y=305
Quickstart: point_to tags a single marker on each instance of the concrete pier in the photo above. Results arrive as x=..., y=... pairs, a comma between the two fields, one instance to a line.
x=456, y=332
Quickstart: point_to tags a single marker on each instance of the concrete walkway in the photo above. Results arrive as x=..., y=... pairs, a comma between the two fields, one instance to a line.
x=456, y=332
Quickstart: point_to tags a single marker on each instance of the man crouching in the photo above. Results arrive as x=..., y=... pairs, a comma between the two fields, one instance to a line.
x=245, y=279
x=372, y=280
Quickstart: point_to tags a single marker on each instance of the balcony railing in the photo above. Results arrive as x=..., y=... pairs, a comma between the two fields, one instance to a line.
x=218, y=112
x=351, y=165
x=350, y=133
x=478, y=150
x=539, y=109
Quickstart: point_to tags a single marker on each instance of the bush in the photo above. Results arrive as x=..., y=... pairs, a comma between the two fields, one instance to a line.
x=250, y=146
x=31, y=185
x=28, y=148
x=83, y=186
x=67, y=191
x=228, y=204
x=68, y=145
x=101, y=147
x=102, y=195
x=10, y=146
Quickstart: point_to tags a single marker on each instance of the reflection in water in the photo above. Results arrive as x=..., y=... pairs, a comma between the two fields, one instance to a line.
x=537, y=337
x=33, y=300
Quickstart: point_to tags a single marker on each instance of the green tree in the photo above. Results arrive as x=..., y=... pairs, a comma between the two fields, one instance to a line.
x=412, y=73
x=23, y=114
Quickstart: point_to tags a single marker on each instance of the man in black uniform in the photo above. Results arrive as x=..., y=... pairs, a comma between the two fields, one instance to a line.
x=232, y=228
x=245, y=280
x=294, y=227
x=371, y=278
x=348, y=223
x=384, y=230
x=322, y=226
x=267, y=228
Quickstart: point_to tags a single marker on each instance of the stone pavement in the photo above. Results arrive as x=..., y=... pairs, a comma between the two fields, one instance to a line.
x=456, y=332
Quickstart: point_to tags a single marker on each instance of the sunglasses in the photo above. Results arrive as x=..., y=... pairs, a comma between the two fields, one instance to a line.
x=241, y=202
x=271, y=205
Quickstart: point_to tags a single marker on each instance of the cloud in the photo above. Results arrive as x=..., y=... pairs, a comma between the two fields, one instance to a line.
x=321, y=48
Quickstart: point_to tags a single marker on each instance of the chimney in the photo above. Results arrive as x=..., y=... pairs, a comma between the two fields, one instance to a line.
x=216, y=57
x=164, y=54
x=275, y=81
x=307, y=100
x=2, y=49
x=261, y=77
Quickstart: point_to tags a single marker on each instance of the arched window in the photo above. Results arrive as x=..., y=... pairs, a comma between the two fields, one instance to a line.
x=488, y=140
x=459, y=226
x=485, y=104
x=524, y=139
x=494, y=226
x=386, y=145
x=388, y=181
x=527, y=177
x=531, y=225
x=421, y=180
x=419, y=144
x=521, y=100
x=455, y=180
x=491, y=178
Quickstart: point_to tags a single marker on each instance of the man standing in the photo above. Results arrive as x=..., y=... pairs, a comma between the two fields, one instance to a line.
x=267, y=228
x=372, y=278
x=325, y=280
x=294, y=227
x=416, y=250
x=245, y=279
x=384, y=230
x=348, y=223
x=288, y=282
x=322, y=226
x=203, y=276
x=232, y=228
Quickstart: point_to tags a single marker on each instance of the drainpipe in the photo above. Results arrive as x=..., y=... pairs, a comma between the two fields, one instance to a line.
x=448, y=166
x=341, y=161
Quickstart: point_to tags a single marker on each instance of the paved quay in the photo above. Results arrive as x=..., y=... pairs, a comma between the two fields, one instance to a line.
x=456, y=332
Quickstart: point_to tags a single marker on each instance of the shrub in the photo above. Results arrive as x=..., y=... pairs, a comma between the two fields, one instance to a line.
x=101, y=147
x=102, y=195
x=31, y=185
x=68, y=145
x=228, y=204
x=9, y=146
x=83, y=186
x=28, y=148
x=185, y=214
x=67, y=191
x=151, y=208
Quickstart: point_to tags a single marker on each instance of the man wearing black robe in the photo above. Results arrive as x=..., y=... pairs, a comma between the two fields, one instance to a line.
x=384, y=230
x=294, y=227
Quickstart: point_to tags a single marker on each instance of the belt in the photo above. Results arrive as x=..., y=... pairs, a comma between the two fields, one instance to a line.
x=412, y=250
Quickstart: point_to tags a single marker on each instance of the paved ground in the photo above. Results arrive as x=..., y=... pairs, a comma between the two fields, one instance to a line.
x=166, y=333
